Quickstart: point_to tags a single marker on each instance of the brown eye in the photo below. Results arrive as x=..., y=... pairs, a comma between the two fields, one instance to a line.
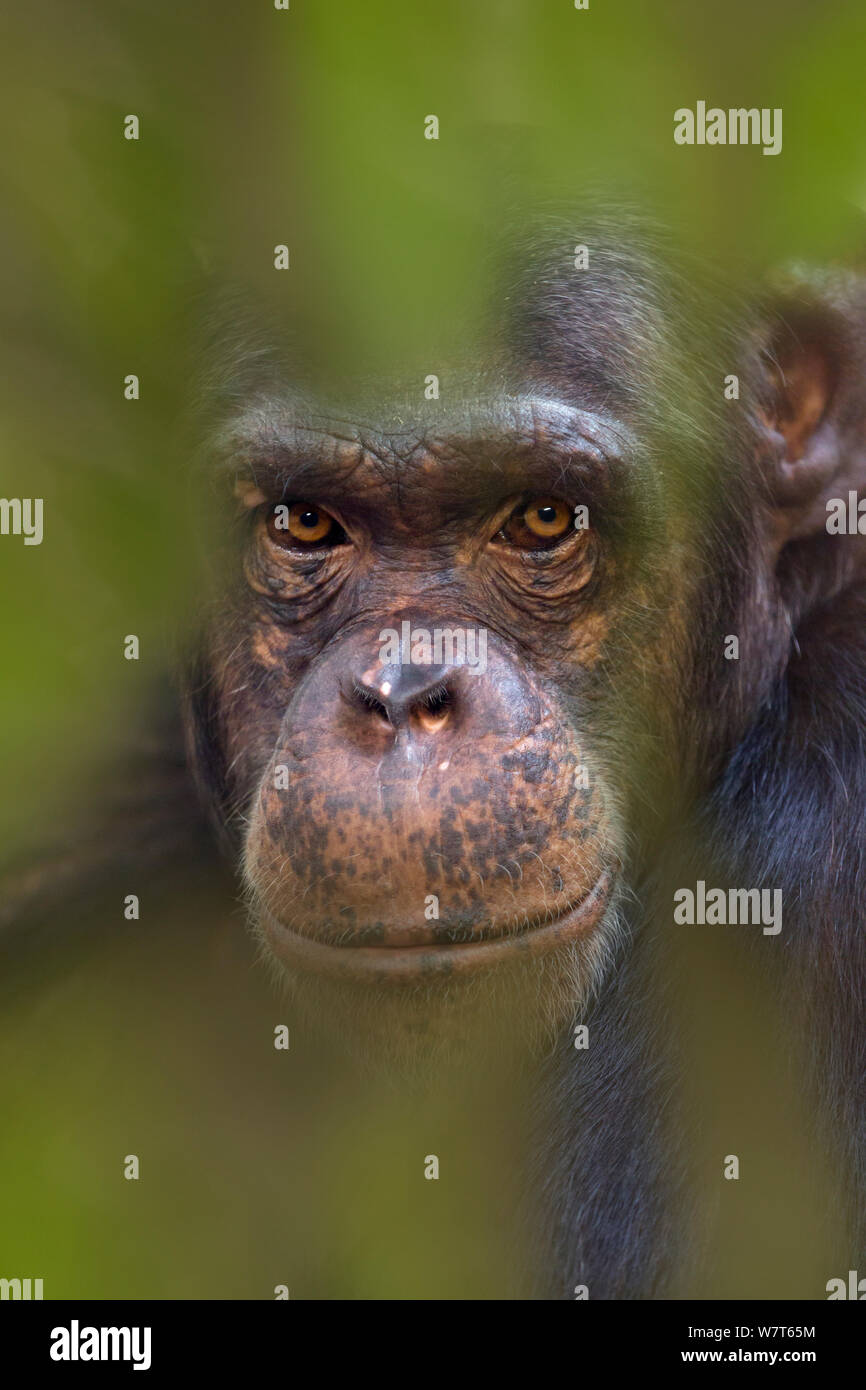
x=539, y=524
x=303, y=524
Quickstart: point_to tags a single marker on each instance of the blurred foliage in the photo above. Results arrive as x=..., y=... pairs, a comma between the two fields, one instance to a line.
x=306, y=127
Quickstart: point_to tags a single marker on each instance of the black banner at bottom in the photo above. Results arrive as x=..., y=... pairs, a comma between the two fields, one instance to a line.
x=159, y=1338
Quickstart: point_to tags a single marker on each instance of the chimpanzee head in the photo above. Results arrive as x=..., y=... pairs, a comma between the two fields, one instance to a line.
x=474, y=663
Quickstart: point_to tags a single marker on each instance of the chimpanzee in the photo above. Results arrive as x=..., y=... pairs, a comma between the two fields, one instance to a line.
x=497, y=676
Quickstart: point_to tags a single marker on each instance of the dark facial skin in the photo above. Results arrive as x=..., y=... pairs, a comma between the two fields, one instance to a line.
x=414, y=829
x=368, y=784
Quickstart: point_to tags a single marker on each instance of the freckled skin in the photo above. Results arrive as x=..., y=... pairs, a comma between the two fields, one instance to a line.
x=492, y=835
x=358, y=809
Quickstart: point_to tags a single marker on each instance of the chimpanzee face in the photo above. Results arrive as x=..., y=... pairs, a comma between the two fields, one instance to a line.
x=485, y=652
x=413, y=716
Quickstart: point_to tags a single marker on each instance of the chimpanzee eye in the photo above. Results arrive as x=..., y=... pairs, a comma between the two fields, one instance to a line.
x=303, y=525
x=538, y=524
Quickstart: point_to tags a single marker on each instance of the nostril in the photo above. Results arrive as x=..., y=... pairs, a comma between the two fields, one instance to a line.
x=438, y=700
x=433, y=711
x=365, y=696
x=435, y=707
x=403, y=696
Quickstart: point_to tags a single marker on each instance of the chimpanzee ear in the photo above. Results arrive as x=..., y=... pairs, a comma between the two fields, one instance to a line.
x=813, y=398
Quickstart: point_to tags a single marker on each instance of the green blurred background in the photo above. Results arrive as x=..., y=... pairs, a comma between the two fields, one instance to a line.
x=260, y=127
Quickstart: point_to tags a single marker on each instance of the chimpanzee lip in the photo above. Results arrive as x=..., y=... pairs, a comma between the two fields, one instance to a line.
x=425, y=962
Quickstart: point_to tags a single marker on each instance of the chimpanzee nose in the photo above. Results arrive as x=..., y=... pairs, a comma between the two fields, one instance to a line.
x=409, y=693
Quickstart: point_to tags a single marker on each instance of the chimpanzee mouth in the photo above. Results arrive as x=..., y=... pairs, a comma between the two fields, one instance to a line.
x=390, y=960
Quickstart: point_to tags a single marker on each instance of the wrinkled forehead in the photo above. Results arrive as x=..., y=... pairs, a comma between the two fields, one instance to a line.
x=478, y=449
